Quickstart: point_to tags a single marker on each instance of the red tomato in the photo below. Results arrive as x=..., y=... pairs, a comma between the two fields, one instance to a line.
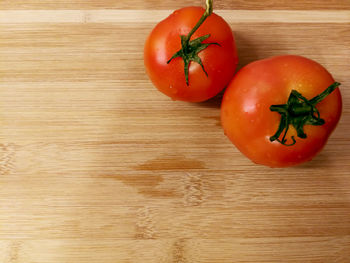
x=219, y=61
x=249, y=122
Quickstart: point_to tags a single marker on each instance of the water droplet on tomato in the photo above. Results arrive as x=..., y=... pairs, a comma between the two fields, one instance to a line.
x=173, y=90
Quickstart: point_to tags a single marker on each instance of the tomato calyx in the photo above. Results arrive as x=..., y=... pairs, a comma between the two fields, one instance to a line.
x=299, y=111
x=190, y=49
x=189, y=52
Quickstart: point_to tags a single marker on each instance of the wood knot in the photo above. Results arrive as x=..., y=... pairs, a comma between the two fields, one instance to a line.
x=86, y=17
x=13, y=253
x=178, y=251
x=145, y=224
x=193, y=189
x=7, y=158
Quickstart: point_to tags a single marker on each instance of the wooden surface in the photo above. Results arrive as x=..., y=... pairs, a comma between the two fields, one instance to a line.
x=97, y=166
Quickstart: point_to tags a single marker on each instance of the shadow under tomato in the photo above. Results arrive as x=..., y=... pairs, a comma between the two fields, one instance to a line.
x=214, y=102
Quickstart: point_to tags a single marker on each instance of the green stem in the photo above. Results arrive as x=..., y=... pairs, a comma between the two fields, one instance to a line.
x=324, y=94
x=279, y=108
x=299, y=111
x=190, y=48
x=208, y=12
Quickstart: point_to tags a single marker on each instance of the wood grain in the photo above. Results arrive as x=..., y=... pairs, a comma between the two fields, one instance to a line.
x=153, y=16
x=97, y=166
x=161, y=4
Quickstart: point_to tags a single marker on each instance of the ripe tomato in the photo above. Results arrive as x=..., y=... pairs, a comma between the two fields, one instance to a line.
x=250, y=122
x=216, y=52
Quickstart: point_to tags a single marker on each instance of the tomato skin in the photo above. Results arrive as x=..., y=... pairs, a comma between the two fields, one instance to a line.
x=249, y=123
x=219, y=61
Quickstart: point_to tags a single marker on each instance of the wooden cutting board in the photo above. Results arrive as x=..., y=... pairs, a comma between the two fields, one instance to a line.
x=97, y=166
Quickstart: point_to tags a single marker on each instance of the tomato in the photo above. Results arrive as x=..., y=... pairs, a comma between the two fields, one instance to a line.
x=250, y=121
x=216, y=52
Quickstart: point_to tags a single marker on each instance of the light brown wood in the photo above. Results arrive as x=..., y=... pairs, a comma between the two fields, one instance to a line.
x=97, y=166
x=161, y=4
